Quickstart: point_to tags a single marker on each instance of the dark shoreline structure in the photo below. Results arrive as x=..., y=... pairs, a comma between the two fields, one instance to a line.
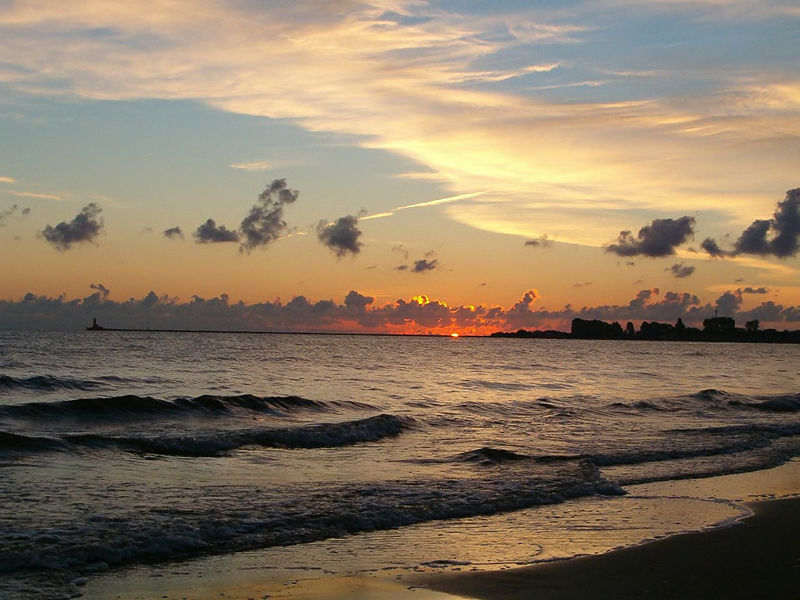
x=95, y=326
x=717, y=329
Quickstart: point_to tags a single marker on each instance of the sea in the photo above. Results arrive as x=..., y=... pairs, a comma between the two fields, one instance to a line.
x=313, y=455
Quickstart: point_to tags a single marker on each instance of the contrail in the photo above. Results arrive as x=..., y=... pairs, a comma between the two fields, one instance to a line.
x=423, y=204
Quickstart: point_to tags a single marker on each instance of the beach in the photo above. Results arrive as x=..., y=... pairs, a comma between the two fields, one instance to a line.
x=753, y=555
x=758, y=557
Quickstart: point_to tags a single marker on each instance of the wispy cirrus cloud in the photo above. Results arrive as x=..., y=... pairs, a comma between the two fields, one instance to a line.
x=35, y=195
x=258, y=165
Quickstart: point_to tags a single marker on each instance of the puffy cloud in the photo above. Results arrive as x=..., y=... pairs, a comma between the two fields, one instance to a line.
x=660, y=238
x=341, y=236
x=766, y=312
x=681, y=270
x=712, y=247
x=784, y=225
x=729, y=302
x=264, y=223
x=521, y=315
x=102, y=290
x=357, y=302
x=423, y=265
x=359, y=313
x=173, y=233
x=753, y=239
x=85, y=227
x=211, y=233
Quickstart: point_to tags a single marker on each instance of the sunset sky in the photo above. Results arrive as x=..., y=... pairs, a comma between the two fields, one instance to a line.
x=398, y=165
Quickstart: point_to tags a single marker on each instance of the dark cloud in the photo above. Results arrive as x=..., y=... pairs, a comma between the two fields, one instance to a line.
x=784, y=226
x=85, y=227
x=341, y=236
x=102, y=290
x=728, y=303
x=542, y=241
x=660, y=238
x=750, y=290
x=359, y=313
x=713, y=249
x=680, y=270
x=173, y=233
x=401, y=249
x=423, y=265
x=264, y=223
x=401, y=268
x=754, y=239
x=211, y=233
x=581, y=284
x=10, y=212
x=768, y=312
x=357, y=301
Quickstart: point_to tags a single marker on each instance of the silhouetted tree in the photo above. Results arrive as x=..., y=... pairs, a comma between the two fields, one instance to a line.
x=719, y=326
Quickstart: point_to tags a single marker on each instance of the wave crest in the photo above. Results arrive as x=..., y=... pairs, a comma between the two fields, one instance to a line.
x=220, y=443
x=127, y=406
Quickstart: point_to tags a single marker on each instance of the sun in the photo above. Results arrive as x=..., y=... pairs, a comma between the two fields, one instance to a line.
x=453, y=335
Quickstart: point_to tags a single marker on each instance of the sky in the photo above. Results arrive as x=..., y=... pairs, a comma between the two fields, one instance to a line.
x=398, y=165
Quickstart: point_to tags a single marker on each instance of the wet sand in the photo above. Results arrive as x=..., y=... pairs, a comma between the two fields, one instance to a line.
x=758, y=557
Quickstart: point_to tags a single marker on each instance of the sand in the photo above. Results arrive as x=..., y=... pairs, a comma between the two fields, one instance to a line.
x=758, y=557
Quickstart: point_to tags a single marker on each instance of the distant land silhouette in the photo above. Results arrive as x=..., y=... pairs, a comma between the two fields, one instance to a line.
x=716, y=329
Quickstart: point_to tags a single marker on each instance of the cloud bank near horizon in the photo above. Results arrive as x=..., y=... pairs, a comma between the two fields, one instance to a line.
x=358, y=313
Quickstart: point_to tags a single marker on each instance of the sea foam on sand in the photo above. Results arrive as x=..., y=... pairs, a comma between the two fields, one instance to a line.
x=487, y=557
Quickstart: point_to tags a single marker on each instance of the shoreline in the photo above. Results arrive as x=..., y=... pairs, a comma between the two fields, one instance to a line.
x=746, y=556
x=756, y=557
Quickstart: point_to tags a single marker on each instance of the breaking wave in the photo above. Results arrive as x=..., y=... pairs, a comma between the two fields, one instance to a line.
x=219, y=443
x=133, y=406
x=324, y=435
x=259, y=520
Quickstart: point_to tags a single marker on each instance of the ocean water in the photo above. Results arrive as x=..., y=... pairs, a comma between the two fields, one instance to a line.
x=122, y=449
